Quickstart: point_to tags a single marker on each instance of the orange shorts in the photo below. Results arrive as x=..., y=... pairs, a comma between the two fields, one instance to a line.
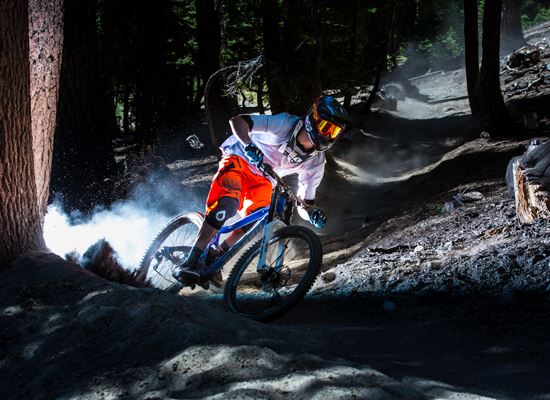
x=235, y=179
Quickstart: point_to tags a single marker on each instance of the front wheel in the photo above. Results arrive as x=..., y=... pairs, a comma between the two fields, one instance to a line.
x=293, y=261
x=171, y=246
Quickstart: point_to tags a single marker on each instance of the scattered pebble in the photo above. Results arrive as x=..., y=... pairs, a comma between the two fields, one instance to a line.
x=328, y=277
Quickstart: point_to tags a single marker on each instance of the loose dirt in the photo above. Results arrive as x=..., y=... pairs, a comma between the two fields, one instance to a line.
x=421, y=298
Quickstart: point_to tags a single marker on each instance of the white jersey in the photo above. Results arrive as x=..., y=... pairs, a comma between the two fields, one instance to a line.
x=271, y=133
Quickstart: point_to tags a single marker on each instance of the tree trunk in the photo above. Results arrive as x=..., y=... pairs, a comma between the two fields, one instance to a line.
x=20, y=219
x=299, y=54
x=150, y=99
x=275, y=71
x=512, y=32
x=497, y=118
x=209, y=48
x=471, y=55
x=46, y=43
x=315, y=16
x=260, y=101
x=382, y=65
x=350, y=84
x=83, y=155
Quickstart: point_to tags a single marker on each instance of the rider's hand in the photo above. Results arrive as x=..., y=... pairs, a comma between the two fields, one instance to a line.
x=317, y=217
x=254, y=154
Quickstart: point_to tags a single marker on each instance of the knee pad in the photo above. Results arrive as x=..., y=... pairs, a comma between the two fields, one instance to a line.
x=226, y=208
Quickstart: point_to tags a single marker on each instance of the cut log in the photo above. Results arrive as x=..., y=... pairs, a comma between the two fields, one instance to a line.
x=531, y=202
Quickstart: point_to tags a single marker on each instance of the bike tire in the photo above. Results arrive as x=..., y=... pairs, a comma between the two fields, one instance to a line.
x=160, y=275
x=238, y=294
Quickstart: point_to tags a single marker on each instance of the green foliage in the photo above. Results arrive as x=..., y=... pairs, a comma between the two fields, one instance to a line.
x=438, y=32
x=449, y=44
x=542, y=15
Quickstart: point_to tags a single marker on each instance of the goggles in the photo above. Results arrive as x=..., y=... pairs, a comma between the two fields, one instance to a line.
x=329, y=130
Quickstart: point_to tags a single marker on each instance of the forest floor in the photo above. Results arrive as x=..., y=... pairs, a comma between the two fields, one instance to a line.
x=430, y=289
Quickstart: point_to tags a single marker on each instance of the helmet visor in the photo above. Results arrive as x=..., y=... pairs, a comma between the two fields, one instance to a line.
x=327, y=129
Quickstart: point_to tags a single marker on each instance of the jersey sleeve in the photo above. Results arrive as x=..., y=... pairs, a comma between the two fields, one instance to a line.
x=310, y=177
x=271, y=129
x=257, y=123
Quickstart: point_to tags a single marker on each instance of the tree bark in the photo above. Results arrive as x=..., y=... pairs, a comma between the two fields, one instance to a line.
x=83, y=155
x=531, y=203
x=512, y=32
x=471, y=55
x=20, y=219
x=46, y=43
x=497, y=118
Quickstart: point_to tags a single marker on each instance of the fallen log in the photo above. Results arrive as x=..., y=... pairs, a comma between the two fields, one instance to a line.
x=531, y=198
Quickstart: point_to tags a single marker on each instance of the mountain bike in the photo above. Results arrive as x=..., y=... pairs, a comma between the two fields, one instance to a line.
x=268, y=279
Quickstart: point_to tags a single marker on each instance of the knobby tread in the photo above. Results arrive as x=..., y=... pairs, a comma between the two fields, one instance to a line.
x=305, y=284
x=192, y=217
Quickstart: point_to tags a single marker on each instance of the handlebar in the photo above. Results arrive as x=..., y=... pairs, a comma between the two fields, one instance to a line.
x=268, y=171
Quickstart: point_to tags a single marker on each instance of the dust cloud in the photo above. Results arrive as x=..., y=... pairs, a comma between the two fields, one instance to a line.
x=127, y=226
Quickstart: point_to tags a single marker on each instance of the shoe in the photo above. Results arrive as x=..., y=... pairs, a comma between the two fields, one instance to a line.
x=189, y=269
x=217, y=279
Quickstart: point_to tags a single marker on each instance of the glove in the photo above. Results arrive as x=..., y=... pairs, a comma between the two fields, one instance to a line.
x=254, y=154
x=317, y=218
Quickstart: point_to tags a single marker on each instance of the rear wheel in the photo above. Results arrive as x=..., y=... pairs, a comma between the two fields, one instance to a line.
x=171, y=246
x=293, y=261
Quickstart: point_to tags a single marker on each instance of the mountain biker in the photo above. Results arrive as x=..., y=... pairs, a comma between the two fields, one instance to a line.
x=288, y=143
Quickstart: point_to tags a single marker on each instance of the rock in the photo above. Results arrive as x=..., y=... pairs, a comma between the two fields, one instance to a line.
x=448, y=207
x=328, y=277
x=468, y=197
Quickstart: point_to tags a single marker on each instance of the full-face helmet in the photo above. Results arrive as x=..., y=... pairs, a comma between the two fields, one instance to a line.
x=325, y=122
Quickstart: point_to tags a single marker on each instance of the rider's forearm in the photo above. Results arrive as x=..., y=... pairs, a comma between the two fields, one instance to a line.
x=240, y=129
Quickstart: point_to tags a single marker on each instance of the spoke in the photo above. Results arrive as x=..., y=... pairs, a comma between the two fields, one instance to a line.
x=282, y=254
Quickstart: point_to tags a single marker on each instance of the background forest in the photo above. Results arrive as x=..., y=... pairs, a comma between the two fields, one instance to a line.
x=434, y=285
x=139, y=69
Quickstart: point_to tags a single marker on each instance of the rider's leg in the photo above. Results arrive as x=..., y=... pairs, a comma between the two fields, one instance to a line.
x=222, y=210
x=222, y=203
x=233, y=183
x=257, y=195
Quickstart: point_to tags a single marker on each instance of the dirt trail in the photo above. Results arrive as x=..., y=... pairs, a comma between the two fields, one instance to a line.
x=66, y=334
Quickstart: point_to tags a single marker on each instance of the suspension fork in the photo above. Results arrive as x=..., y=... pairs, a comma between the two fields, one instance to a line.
x=268, y=229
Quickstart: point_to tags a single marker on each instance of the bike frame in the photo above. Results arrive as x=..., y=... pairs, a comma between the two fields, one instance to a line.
x=264, y=217
x=259, y=218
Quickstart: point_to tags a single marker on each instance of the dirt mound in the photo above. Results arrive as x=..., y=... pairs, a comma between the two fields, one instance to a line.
x=444, y=247
x=69, y=334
